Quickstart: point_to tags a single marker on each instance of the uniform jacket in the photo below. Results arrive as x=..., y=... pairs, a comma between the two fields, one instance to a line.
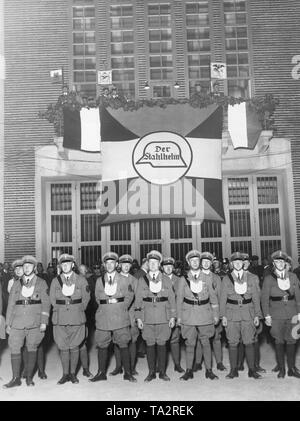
x=196, y=315
x=215, y=281
x=155, y=312
x=113, y=316
x=69, y=314
x=235, y=312
x=134, y=283
x=20, y=316
x=280, y=309
x=175, y=282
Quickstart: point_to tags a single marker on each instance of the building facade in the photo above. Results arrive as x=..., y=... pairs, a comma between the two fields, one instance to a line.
x=50, y=195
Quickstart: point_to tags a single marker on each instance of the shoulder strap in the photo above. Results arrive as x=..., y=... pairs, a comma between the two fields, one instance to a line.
x=60, y=281
x=230, y=277
x=103, y=281
x=146, y=280
x=196, y=296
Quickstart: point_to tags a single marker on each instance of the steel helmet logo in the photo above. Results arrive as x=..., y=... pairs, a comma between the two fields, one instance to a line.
x=162, y=157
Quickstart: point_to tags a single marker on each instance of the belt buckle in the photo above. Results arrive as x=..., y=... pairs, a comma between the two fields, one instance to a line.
x=68, y=301
x=26, y=301
x=285, y=298
x=154, y=299
x=112, y=301
x=240, y=302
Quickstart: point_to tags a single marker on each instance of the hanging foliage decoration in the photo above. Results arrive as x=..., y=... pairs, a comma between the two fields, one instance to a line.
x=264, y=106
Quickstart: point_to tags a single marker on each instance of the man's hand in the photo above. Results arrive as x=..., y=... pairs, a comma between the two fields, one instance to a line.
x=172, y=322
x=224, y=321
x=140, y=324
x=216, y=320
x=8, y=329
x=43, y=327
x=256, y=321
x=268, y=320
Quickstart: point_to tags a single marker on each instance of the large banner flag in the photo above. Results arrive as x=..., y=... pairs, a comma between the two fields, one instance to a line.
x=243, y=125
x=161, y=163
x=82, y=129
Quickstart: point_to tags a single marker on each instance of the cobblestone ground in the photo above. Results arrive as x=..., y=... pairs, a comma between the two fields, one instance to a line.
x=116, y=389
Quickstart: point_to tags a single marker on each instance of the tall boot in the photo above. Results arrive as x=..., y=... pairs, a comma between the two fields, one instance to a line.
x=150, y=350
x=125, y=358
x=16, y=369
x=290, y=354
x=233, y=358
x=41, y=362
x=198, y=357
x=257, y=366
x=117, y=354
x=175, y=352
x=132, y=353
x=279, y=349
x=65, y=362
x=189, y=354
x=249, y=350
x=207, y=355
x=74, y=358
x=241, y=356
x=84, y=359
x=217, y=348
x=102, y=360
x=162, y=360
x=31, y=361
x=24, y=358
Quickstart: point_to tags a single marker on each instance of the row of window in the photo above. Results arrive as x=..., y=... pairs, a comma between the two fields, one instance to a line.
x=161, y=47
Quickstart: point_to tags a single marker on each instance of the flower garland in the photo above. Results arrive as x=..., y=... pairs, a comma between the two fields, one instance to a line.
x=264, y=106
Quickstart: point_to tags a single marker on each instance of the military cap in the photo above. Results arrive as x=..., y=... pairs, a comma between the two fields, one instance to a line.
x=168, y=261
x=125, y=258
x=237, y=255
x=192, y=253
x=65, y=257
x=207, y=255
x=254, y=257
x=289, y=259
x=110, y=255
x=29, y=259
x=154, y=254
x=279, y=255
x=246, y=256
x=225, y=261
x=16, y=263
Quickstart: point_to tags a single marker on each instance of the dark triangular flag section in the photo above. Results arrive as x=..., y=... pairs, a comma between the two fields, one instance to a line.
x=112, y=130
x=211, y=128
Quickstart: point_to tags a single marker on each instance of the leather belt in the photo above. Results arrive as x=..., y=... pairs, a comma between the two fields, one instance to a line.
x=29, y=301
x=70, y=301
x=239, y=302
x=284, y=298
x=196, y=303
x=112, y=300
x=155, y=299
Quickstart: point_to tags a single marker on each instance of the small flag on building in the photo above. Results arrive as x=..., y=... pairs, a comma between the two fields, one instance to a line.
x=56, y=75
x=218, y=71
x=104, y=77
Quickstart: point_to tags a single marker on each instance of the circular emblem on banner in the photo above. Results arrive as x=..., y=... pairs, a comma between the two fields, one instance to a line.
x=162, y=157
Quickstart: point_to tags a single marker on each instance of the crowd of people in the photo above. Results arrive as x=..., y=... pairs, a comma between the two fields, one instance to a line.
x=135, y=310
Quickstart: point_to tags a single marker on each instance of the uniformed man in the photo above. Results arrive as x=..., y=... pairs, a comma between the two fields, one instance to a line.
x=26, y=319
x=126, y=262
x=198, y=311
x=240, y=312
x=114, y=296
x=280, y=299
x=168, y=267
x=69, y=294
x=155, y=312
x=17, y=266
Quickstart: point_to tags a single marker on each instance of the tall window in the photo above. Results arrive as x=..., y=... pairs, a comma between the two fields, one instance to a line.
x=84, y=47
x=237, y=48
x=122, y=48
x=198, y=45
x=160, y=49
